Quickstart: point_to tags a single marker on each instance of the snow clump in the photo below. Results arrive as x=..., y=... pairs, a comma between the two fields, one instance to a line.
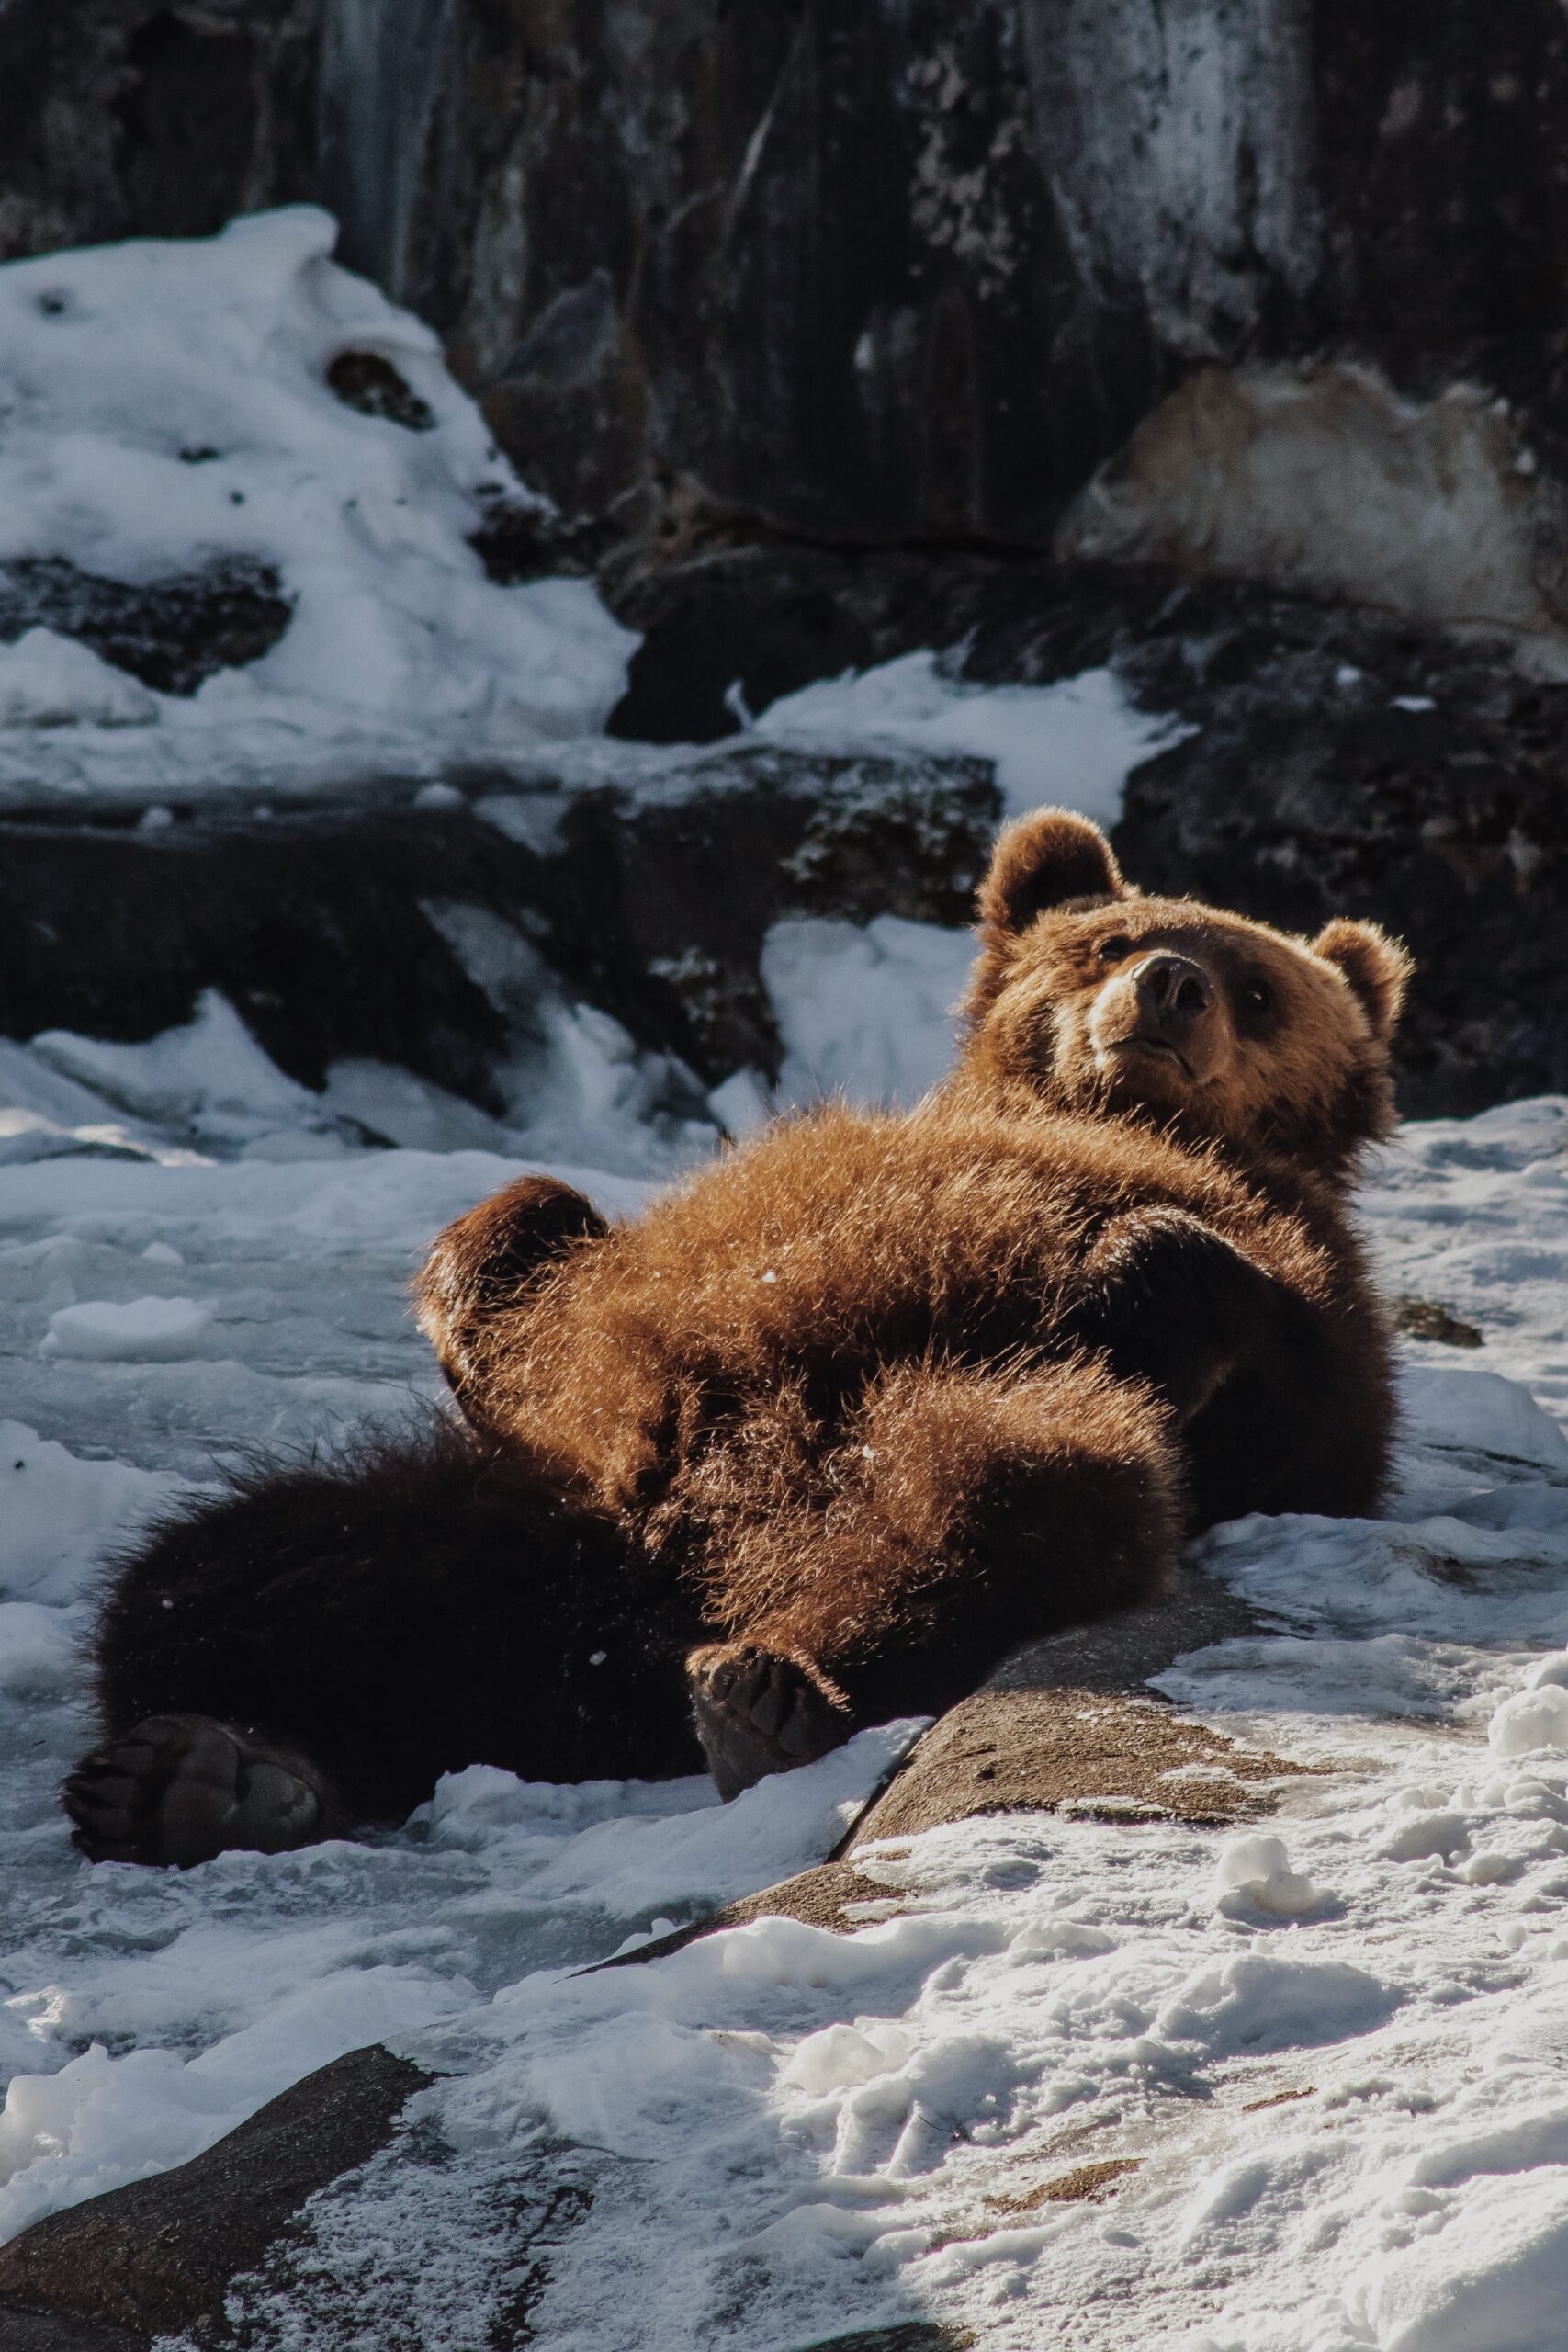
x=1254, y=1874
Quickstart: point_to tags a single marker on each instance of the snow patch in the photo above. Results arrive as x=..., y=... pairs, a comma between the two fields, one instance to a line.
x=51, y=680
x=1070, y=745
x=864, y=1010
x=167, y=408
x=145, y=1331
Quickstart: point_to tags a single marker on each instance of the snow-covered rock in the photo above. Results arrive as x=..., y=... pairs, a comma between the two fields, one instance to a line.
x=242, y=407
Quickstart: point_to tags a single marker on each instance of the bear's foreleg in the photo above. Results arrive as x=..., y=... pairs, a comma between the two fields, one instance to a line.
x=314, y=1649
x=1277, y=1373
x=1170, y=1300
x=963, y=1511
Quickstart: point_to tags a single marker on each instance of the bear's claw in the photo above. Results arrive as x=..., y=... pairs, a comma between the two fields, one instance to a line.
x=179, y=1788
x=758, y=1713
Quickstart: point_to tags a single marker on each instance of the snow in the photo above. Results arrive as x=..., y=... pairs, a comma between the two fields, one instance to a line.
x=1070, y=745
x=166, y=406
x=141, y=1330
x=864, y=1010
x=51, y=680
x=1325, y=2051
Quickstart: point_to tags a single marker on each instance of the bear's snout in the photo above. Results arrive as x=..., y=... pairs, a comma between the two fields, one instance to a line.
x=1173, y=992
x=1156, y=1027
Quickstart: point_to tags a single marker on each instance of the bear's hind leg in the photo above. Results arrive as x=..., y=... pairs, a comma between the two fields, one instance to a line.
x=485, y=1262
x=963, y=1511
x=315, y=1648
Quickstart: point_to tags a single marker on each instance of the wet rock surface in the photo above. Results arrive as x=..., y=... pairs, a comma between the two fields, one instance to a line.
x=171, y=633
x=901, y=274
x=157, y=2256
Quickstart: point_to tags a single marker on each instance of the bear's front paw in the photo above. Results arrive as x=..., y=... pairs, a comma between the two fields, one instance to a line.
x=179, y=1788
x=758, y=1713
x=1172, y=1302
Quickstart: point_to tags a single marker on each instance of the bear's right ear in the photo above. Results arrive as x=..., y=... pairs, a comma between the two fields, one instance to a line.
x=1042, y=861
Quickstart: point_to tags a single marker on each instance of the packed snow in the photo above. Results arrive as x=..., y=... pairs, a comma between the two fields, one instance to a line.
x=167, y=408
x=1318, y=2064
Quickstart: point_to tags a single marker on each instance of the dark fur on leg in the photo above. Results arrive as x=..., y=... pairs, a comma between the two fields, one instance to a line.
x=431, y=1604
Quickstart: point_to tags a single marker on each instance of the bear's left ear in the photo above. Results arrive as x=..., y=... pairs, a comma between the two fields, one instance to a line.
x=1377, y=967
x=1042, y=861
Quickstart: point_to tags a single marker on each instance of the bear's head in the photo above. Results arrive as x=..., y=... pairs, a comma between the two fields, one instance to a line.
x=1092, y=997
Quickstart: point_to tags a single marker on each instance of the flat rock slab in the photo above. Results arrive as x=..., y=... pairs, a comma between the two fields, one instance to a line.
x=1067, y=1725
x=155, y=2257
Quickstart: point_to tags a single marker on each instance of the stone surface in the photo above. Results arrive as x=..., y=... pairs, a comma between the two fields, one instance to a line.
x=331, y=928
x=1318, y=476
x=157, y=2256
x=171, y=633
x=1066, y=1724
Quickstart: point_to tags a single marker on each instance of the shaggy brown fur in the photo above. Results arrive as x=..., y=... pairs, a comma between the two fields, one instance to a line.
x=873, y=1397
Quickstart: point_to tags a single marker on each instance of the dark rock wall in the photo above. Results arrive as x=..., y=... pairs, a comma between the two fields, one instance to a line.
x=120, y=120
x=903, y=271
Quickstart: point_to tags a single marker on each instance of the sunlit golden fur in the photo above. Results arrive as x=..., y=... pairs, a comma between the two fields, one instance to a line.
x=835, y=1423
x=840, y=1383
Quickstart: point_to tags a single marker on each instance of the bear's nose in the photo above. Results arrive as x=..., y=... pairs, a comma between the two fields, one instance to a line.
x=1172, y=991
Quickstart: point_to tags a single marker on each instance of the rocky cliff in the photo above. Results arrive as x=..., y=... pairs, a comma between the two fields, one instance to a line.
x=902, y=272
x=1219, y=339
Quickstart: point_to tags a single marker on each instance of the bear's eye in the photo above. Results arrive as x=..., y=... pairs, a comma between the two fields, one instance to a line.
x=1112, y=951
x=1256, y=995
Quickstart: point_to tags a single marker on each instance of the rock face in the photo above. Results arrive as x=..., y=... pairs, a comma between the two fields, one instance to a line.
x=1343, y=763
x=897, y=273
x=794, y=312
x=339, y=933
x=170, y=633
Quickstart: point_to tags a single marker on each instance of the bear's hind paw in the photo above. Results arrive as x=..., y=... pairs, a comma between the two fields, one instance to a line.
x=178, y=1789
x=758, y=1713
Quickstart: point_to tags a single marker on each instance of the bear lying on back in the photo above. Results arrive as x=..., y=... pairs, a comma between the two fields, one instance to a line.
x=833, y=1425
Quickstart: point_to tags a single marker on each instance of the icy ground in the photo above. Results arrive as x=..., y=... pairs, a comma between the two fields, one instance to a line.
x=1332, y=2068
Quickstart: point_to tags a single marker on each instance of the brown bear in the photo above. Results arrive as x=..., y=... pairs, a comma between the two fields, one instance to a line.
x=828, y=1429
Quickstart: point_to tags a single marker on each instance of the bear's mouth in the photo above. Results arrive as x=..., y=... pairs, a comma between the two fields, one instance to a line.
x=1161, y=1046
